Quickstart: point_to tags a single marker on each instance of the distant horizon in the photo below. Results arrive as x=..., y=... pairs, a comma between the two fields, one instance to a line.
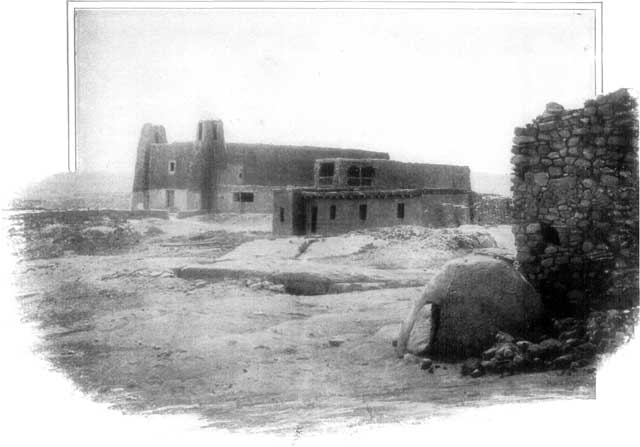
x=485, y=186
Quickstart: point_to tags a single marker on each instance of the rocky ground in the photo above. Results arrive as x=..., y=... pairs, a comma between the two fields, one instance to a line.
x=573, y=345
x=240, y=351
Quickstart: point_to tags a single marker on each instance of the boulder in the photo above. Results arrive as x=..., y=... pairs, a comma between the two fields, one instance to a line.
x=469, y=366
x=465, y=305
x=426, y=363
x=549, y=348
x=419, y=339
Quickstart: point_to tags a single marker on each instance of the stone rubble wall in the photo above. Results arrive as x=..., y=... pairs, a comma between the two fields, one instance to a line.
x=575, y=203
x=491, y=209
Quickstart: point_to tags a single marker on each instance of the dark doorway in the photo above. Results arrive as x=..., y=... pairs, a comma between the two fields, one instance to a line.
x=332, y=212
x=363, y=212
x=314, y=219
x=171, y=197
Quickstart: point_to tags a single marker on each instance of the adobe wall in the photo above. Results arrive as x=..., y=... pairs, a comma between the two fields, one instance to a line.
x=232, y=174
x=432, y=210
x=273, y=165
x=262, y=199
x=184, y=199
x=188, y=172
x=149, y=135
x=575, y=198
x=390, y=174
x=380, y=213
x=288, y=213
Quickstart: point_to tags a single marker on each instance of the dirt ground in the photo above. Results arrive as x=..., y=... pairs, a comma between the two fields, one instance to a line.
x=127, y=331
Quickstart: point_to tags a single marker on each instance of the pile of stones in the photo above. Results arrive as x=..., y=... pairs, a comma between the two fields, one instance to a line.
x=437, y=238
x=576, y=344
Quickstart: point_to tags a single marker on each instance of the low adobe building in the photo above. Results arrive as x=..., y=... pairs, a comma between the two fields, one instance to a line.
x=351, y=194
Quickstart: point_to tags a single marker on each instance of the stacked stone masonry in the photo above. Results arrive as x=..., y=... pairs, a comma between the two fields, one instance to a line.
x=575, y=203
x=491, y=209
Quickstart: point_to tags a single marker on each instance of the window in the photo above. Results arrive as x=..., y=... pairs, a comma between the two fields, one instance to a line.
x=357, y=176
x=353, y=176
x=363, y=212
x=400, y=211
x=281, y=214
x=199, y=131
x=172, y=167
x=243, y=197
x=332, y=212
x=325, y=174
x=367, y=175
x=214, y=132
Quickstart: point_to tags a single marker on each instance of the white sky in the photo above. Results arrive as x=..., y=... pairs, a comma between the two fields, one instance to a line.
x=427, y=86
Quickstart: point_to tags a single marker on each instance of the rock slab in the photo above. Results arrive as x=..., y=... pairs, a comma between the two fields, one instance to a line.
x=465, y=305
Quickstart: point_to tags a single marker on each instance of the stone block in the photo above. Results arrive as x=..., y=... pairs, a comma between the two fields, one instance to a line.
x=554, y=171
x=541, y=178
x=573, y=141
x=608, y=180
x=533, y=228
x=600, y=141
x=606, y=109
x=545, y=126
x=544, y=137
x=580, y=131
x=616, y=140
x=588, y=153
x=554, y=107
x=519, y=160
x=582, y=163
x=522, y=139
x=546, y=263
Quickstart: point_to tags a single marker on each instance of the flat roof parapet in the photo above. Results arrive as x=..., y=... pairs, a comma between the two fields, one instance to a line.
x=378, y=194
